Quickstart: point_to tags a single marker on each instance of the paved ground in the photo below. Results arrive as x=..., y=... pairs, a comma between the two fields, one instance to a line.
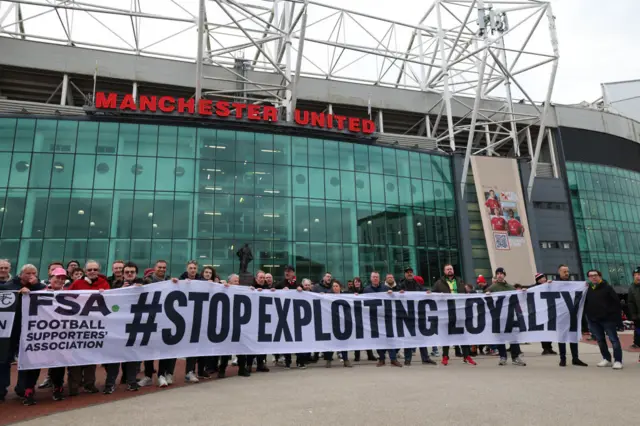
x=539, y=394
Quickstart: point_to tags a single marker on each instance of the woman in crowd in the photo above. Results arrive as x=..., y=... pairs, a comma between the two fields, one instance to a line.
x=209, y=273
x=336, y=288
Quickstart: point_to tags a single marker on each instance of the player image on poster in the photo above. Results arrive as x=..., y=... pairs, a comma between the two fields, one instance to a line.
x=504, y=217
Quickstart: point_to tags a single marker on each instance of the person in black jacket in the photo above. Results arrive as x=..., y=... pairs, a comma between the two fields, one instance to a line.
x=602, y=308
x=22, y=284
x=563, y=275
x=633, y=302
x=547, y=347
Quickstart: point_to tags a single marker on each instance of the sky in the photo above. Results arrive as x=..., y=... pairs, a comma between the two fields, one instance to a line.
x=598, y=40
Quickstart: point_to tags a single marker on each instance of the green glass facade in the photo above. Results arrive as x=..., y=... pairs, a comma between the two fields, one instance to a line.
x=78, y=189
x=606, y=209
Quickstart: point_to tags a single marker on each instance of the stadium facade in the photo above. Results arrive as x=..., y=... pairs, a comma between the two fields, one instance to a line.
x=346, y=177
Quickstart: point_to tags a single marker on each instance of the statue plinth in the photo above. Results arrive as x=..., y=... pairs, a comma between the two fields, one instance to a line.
x=246, y=278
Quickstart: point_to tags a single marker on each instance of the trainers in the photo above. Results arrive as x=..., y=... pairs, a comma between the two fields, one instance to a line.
x=563, y=362
x=204, y=375
x=162, y=382
x=328, y=364
x=503, y=361
x=58, y=394
x=29, y=397
x=109, y=389
x=347, y=363
x=191, y=377
x=469, y=360
x=133, y=387
x=147, y=381
x=302, y=366
x=407, y=362
x=578, y=363
x=46, y=384
x=263, y=369
x=91, y=389
x=244, y=373
x=617, y=365
x=435, y=353
x=380, y=363
x=604, y=363
x=234, y=361
x=169, y=378
x=518, y=361
x=395, y=363
x=445, y=360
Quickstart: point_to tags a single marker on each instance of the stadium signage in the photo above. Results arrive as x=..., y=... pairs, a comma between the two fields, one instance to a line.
x=231, y=111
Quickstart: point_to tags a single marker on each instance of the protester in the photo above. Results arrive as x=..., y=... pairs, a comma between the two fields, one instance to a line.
x=289, y=279
x=208, y=273
x=563, y=275
x=450, y=283
x=72, y=265
x=499, y=286
x=55, y=376
x=190, y=367
x=85, y=375
x=5, y=271
x=547, y=347
x=344, y=355
x=192, y=271
x=602, y=308
x=268, y=278
x=25, y=282
x=117, y=276
x=50, y=268
x=325, y=285
x=260, y=283
x=358, y=288
x=389, y=287
x=633, y=304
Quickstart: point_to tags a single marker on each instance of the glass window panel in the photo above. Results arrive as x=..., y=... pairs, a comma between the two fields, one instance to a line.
x=223, y=220
x=415, y=167
x=282, y=181
x=165, y=174
x=7, y=133
x=207, y=144
x=363, y=191
x=264, y=218
x=105, y=172
x=282, y=149
x=244, y=215
x=316, y=152
x=389, y=161
x=83, y=171
x=375, y=159
x=245, y=178
x=264, y=179
x=35, y=213
x=332, y=184
x=334, y=212
x=361, y=155
x=264, y=148
x=148, y=140
x=14, y=212
x=31, y=252
x=142, y=222
x=184, y=173
x=404, y=186
x=186, y=142
x=301, y=221
x=79, y=214
x=5, y=167
x=101, y=213
x=300, y=151
x=62, y=171
x=302, y=259
x=87, y=137
x=318, y=222
x=245, y=146
x=123, y=213
x=347, y=181
x=416, y=192
x=403, y=167
x=446, y=169
x=145, y=170
x=316, y=183
x=128, y=139
x=25, y=132
x=20, y=168
x=9, y=250
x=335, y=262
x=377, y=188
x=180, y=254
x=107, y=138
x=167, y=141
x=391, y=189
x=429, y=195
x=125, y=173
x=331, y=155
x=436, y=168
x=300, y=182
x=425, y=161
x=160, y=249
x=45, y=136
x=379, y=224
x=318, y=260
x=346, y=156
x=225, y=142
x=349, y=226
x=140, y=252
x=282, y=217
x=182, y=225
x=163, y=212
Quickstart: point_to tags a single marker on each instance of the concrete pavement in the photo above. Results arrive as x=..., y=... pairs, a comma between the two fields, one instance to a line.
x=540, y=394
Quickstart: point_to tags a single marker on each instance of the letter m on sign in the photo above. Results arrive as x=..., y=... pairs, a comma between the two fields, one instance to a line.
x=108, y=101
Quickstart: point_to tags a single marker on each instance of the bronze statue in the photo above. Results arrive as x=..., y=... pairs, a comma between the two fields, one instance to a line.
x=245, y=256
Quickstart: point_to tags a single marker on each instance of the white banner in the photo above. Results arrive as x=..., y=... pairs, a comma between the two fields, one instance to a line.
x=196, y=318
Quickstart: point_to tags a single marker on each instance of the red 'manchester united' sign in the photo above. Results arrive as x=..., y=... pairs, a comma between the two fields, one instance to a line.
x=232, y=110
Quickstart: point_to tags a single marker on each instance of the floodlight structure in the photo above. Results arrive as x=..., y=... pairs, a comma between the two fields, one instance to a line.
x=472, y=58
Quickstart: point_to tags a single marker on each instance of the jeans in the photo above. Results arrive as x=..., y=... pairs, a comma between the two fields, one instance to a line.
x=599, y=328
x=636, y=334
x=129, y=371
x=392, y=354
x=408, y=354
x=464, y=348
x=165, y=366
x=562, y=348
x=82, y=375
x=191, y=365
x=515, y=350
x=5, y=378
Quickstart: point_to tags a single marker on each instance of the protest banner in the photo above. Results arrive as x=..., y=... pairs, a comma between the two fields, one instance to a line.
x=196, y=318
x=8, y=305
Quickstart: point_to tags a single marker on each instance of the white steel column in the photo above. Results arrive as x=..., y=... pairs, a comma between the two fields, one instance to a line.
x=552, y=153
x=287, y=59
x=445, y=76
x=200, y=54
x=65, y=89
x=509, y=100
x=134, y=91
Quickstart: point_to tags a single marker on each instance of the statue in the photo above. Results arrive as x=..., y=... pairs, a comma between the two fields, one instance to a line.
x=245, y=256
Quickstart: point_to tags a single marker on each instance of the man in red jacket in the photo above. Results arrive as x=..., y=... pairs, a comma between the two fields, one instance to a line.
x=86, y=373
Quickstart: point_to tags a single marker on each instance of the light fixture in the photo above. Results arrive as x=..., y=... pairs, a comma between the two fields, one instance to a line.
x=306, y=229
x=213, y=188
x=155, y=225
x=92, y=224
x=419, y=223
x=399, y=232
x=203, y=256
x=215, y=146
x=271, y=215
x=316, y=220
x=270, y=150
x=211, y=170
x=241, y=200
x=150, y=215
x=269, y=191
x=80, y=212
x=369, y=222
x=1, y=209
x=213, y=213
x=231, y=248
x=258, y=173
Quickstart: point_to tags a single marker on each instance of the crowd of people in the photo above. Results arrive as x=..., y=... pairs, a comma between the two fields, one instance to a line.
x=602, y=314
